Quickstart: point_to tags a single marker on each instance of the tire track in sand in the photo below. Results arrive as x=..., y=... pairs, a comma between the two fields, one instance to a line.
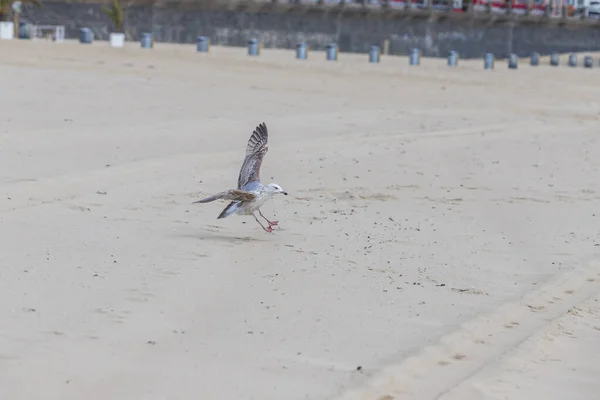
x=482, y=342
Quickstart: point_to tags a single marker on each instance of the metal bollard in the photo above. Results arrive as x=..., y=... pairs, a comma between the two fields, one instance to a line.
x=331, y=53
x=202, y=44
x=85, y=35
x=374, y=55
x=147, y=42
x=301, y=51
x=513, y=61
x=453, y=57
x=415, y=57
x=488, y=61
x=588, y=62
x=535, y=59
x=254, y=47
x=554, y=59
x=572, y=60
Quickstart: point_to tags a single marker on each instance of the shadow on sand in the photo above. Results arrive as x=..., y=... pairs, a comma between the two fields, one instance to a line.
x=219, y=237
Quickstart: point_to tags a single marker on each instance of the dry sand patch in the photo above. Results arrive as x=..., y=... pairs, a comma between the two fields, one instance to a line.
x=423, y=201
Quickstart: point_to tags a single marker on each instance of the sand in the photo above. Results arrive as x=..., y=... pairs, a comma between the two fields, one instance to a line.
x=440, y=239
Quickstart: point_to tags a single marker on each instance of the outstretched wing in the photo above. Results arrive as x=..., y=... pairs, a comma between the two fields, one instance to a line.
x=255, y=151
x=231, y=194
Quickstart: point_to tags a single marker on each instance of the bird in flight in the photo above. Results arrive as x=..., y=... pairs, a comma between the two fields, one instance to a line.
x=250, y=194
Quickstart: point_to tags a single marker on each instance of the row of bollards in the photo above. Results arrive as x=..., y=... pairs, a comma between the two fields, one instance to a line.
x=489, y=59
x=513, y=60
x=332, y=51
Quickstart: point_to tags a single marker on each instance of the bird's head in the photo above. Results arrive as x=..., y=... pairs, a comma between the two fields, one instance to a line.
x=274, y=188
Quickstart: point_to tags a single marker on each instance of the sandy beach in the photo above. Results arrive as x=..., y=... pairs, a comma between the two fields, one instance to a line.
x=440, y=241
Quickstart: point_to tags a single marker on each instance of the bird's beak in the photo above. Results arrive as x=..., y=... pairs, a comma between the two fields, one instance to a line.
x=285, y=193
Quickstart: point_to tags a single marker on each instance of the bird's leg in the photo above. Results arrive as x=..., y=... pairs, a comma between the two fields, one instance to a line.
x=269, y=229
x=271, y=223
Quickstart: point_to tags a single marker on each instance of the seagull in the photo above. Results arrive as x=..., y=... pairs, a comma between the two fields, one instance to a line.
x=250, y=194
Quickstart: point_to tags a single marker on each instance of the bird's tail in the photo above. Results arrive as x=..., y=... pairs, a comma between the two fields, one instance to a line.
x=230, y=209
x=231, y=194
x=208, y=199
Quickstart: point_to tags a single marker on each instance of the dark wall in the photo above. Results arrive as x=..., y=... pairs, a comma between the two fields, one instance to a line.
x=353, y=33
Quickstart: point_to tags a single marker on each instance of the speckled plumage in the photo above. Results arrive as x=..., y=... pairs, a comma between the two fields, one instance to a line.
x=250, y=194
